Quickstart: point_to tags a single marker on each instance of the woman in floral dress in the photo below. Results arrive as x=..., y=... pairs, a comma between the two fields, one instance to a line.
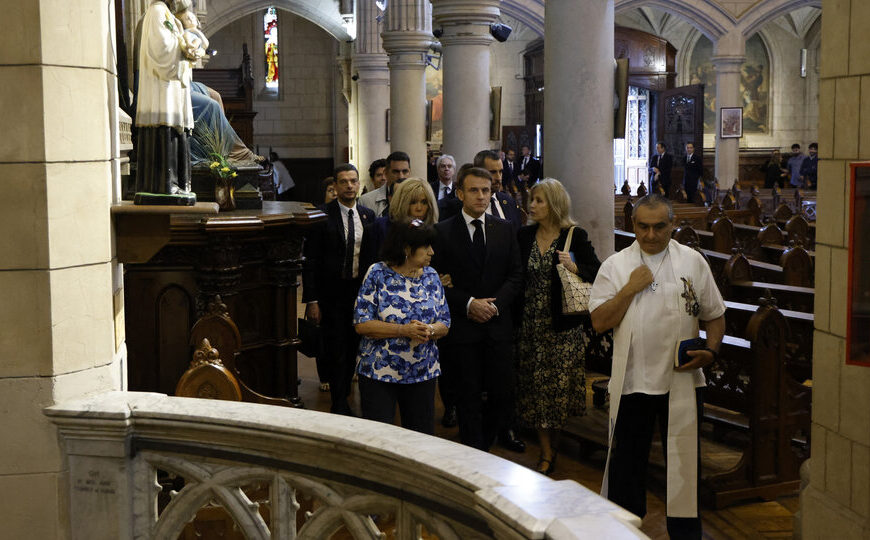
x=551, y=380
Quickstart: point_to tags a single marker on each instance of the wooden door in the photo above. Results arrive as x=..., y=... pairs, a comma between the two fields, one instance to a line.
x=680, y=121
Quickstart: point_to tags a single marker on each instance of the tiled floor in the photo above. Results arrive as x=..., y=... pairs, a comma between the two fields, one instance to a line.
x=754, y=519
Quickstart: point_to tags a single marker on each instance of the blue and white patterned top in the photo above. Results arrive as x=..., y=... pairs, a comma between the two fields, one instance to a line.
x=388, y=296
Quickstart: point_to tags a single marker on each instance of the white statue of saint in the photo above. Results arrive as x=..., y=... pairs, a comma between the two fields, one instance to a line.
x=164, y=115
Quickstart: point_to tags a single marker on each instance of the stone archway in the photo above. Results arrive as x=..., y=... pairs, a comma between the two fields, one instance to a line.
x=323, y=14
x=766, y=12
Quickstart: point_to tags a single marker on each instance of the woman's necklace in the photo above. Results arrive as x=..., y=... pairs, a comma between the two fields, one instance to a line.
x=655, y=284
x=410, y=273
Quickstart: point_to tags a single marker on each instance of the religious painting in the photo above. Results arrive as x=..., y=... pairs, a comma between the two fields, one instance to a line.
x=858, y=311
x=754, y=84
x=435, y=96
x=495, y=113
x=731, y=122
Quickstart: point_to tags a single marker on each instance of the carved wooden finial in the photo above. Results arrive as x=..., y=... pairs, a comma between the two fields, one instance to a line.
x=217, y=306
x=205, y=354
x=767, y=300
x=626, y=190
x=641, y=189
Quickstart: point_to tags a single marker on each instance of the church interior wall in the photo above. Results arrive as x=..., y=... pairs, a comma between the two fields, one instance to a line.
x=836, y=504
x=303, y=119
x=506, y=71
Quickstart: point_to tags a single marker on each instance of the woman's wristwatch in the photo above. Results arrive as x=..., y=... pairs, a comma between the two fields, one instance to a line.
x=431, y=329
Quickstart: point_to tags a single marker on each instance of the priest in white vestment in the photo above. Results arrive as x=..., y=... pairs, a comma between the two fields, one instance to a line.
x=653, y=294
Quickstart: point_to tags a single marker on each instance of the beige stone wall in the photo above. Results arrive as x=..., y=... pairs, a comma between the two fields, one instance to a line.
x=299, y=121
x=836, y=503
x=56, y=313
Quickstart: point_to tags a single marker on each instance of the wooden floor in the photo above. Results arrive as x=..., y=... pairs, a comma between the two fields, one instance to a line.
x=754, y=519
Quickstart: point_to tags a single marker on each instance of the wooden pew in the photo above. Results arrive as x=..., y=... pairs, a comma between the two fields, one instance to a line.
x=750, y=388
x=799, y=335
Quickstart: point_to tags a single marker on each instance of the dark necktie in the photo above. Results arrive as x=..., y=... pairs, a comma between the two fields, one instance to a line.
x=349, y=244
x=478, y=245
x=493, y=208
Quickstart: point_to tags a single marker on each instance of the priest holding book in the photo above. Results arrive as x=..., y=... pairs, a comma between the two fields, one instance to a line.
x=654, y=294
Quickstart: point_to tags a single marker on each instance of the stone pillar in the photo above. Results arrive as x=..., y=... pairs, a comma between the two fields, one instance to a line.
x=406, y=38
x=57, y=337
x=578, y=111
x=727, y=95
x=372, y=89
x=465, y=66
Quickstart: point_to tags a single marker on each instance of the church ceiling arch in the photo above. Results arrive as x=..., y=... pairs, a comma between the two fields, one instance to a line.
x=761, y=14
x=706, y=15
x=323, y=13
x=528, y=12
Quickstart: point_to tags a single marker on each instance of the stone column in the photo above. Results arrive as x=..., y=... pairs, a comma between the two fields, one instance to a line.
x=578, y=111
x=727, y=95
x=372, y=89
x=465, y=66
x=57, y=337
x=406, y=38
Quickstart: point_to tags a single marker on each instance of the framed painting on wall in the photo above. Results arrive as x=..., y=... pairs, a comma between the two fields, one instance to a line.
x=730, y=122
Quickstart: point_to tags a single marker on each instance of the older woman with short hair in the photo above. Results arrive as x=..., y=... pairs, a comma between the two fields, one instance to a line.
x=412, y=199
x=400, y=312
x=550, y=350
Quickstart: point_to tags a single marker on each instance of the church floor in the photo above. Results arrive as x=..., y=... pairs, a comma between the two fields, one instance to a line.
x=753, y=519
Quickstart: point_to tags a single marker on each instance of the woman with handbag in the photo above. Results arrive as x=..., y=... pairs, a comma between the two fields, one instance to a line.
x=551, y=379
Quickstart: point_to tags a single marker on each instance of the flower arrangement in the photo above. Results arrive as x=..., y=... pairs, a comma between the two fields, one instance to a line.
x=224, y=189
x=221, y=168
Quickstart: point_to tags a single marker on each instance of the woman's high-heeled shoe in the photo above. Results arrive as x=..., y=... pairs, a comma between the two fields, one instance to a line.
x=546, y=466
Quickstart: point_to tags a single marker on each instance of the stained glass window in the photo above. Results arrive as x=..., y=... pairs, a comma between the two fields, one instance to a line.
x=270, y=32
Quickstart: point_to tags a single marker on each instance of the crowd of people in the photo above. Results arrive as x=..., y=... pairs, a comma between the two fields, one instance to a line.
x=416, y=281
x=418, y=284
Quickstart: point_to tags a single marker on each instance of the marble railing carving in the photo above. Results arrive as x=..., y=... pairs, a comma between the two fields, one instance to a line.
x=144, y=465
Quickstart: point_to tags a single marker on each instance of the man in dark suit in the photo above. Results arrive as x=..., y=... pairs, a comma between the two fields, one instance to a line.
x=480, y=254
x=530, y=168
x=443, y=186
x=660, y=165
x=331, y=277
x=510, y=172
x=502, y=205
x=692, y=172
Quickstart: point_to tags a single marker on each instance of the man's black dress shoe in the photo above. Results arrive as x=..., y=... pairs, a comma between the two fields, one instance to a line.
x=508, y=439
x=449, y=419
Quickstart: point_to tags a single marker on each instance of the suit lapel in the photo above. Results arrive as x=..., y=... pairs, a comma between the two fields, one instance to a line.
x=338, y=224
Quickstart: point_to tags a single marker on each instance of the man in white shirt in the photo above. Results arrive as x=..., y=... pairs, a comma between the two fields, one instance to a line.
x=654, y=294
x=281, y=177
x=331, y=277
x=398, y=169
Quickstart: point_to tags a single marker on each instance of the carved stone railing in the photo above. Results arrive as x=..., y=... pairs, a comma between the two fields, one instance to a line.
x=145, y=465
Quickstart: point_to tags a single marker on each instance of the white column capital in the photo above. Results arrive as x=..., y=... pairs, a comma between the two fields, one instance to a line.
x=728, y=64
x=370, y=63
x=462, y=12
x=407, y=49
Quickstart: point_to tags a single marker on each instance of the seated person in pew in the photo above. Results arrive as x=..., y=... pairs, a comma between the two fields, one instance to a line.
x=654, y=294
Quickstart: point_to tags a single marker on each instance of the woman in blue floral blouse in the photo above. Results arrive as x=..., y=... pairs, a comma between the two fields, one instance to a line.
x=400, y=313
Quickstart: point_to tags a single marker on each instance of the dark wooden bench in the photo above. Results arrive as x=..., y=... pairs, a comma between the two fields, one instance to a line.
x=236, y=87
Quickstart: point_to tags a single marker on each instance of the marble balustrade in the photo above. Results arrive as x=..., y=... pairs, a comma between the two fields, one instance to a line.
x=116, y=442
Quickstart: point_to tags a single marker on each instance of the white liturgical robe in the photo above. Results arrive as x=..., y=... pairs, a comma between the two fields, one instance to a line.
x=644, y=344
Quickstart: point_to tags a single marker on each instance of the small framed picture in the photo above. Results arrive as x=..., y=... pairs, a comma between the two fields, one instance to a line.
x=730, y=122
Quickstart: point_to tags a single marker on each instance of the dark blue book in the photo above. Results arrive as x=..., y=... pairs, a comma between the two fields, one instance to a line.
x=682, y=357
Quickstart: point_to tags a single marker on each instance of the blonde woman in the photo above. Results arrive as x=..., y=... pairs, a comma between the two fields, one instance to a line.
x=412, y=199
x=551, y=378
